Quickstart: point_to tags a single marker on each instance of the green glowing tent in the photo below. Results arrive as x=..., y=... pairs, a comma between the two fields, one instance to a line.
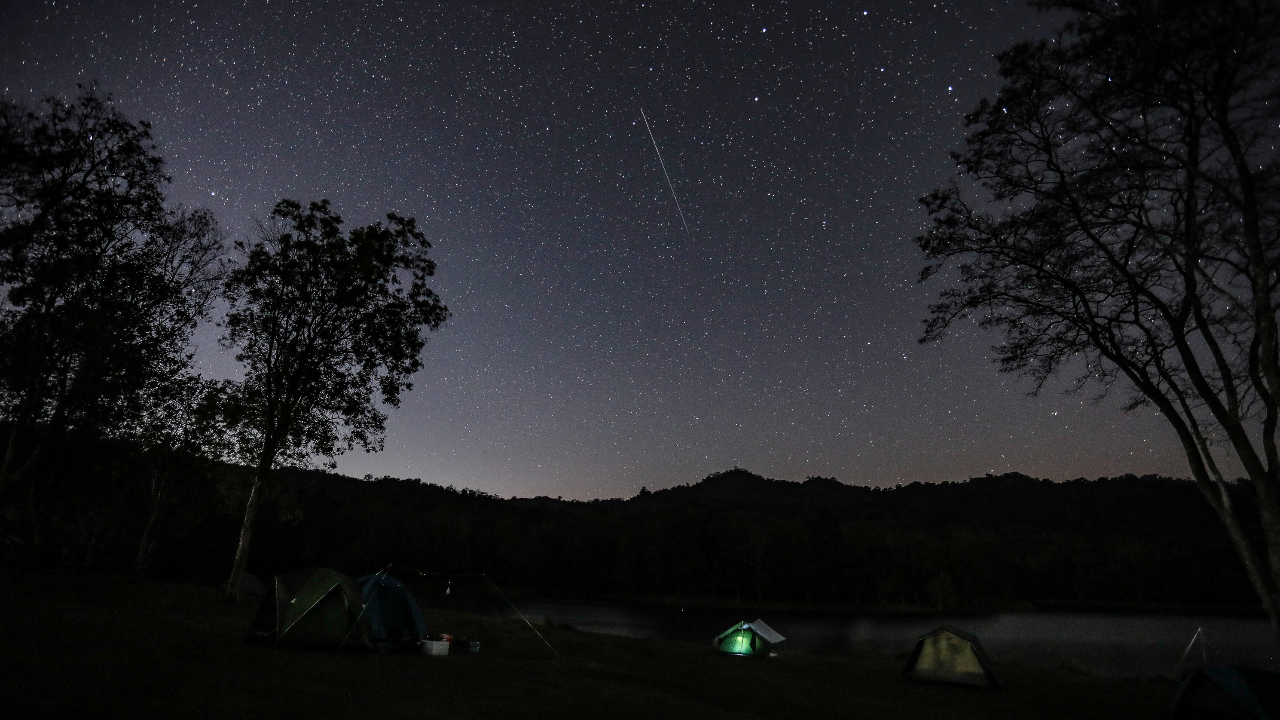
x=748, y=639
x=318, y=608
x=950, y=655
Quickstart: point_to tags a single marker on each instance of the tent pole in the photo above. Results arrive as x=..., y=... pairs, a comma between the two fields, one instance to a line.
x=1203, y=653
x=363, y=605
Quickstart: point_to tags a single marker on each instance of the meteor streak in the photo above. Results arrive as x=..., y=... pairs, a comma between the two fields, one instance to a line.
x=664, y=174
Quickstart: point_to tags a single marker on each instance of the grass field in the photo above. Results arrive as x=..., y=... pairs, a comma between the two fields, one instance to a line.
x=97, y=645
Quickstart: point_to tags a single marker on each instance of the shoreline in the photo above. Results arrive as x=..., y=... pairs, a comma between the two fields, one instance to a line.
x=896, y=610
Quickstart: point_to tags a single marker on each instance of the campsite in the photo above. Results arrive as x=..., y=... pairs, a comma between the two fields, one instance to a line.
x=99, y=638
x=674, y=359
x=341, y=548
x=101, y=645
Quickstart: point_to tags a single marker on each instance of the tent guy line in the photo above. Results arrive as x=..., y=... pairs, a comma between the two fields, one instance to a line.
x=495, y=588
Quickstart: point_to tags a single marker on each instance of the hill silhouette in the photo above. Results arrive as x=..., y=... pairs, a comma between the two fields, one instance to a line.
x=989, y=542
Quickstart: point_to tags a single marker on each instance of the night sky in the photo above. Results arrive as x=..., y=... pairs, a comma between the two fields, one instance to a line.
x=595, y=345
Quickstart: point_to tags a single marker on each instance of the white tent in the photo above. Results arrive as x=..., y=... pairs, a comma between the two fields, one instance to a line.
x=770, y=635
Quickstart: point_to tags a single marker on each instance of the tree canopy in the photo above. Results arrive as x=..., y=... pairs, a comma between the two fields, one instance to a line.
x=322, y=322
x=101, y=284
x=1125, y=223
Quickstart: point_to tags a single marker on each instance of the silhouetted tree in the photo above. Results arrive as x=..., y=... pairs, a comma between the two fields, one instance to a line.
x=320, y=321
x=181, y=432
x=101, y=284
x=1129, y=222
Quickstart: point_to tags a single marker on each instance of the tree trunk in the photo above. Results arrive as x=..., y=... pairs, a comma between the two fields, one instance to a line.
x=10, y=460
x=246, y=530
x=11, y=473
x=1270, y=520
x=1265, y=584
x=35, y=536
x=148, y=544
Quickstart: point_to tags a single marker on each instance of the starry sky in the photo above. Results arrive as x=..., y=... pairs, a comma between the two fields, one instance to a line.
x=599, y=342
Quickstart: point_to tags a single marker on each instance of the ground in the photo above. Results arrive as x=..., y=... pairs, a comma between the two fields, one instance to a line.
x=99, y=645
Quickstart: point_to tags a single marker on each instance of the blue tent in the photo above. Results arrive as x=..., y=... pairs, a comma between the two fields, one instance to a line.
x=1228, y=692
x=391, y=611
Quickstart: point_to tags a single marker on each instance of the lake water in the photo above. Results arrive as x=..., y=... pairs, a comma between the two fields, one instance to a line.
x=1102, y=644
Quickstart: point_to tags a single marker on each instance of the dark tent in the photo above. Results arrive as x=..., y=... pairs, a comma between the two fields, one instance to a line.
x=251, y=586
x=1224, y=693
x=317, y=608
x=391, y=611
x=950, y=655
x=748, y=639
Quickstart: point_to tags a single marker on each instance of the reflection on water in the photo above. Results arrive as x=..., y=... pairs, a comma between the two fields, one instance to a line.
x=1123, y=645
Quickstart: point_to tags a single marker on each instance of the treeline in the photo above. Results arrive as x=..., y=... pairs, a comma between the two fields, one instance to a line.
x=987, y=543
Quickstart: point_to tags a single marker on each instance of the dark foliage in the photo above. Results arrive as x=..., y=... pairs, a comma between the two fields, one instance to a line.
x=100, y=285
x=988, y=543
x=1126, y=227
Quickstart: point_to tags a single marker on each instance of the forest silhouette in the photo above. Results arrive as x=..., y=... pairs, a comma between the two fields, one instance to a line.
x=994, y=542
